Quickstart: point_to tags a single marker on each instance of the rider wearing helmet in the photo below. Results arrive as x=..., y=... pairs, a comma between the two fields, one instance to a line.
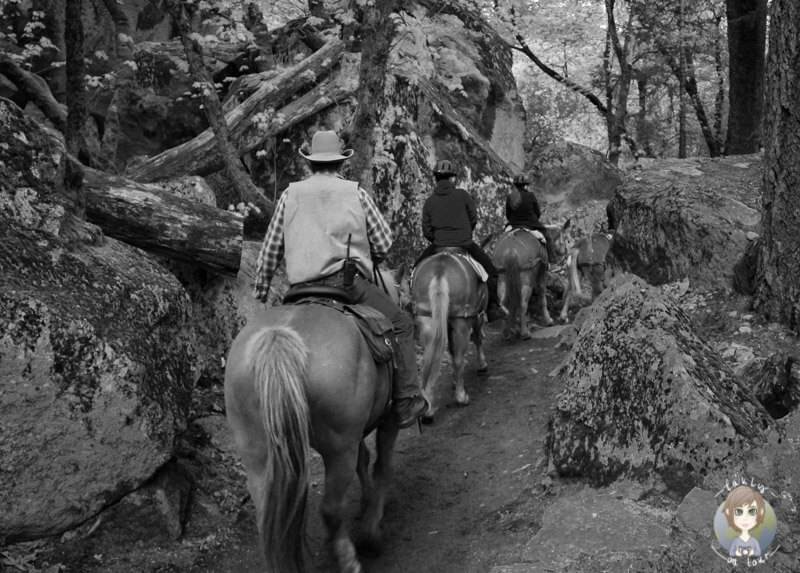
x=316, y=223
x=448, y=218
x=522, y=210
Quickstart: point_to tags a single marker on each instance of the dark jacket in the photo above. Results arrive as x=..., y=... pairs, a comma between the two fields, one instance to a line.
x=527, y=213
x=448, y=216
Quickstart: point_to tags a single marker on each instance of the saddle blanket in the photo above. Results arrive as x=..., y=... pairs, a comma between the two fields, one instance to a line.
x=538, y=234
x=479, y=270
x=475, y=265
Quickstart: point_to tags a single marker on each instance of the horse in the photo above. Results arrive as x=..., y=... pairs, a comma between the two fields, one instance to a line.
x=587, y=257
x=521, y=261
x=301, y=376
x=448, y=302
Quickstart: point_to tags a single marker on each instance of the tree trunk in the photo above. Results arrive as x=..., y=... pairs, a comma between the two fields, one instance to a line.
x=197, y=155
x=747, y=28
x=378, y=36
x=778, y=290
x=161, y=222
x=226, y=151
x=36, y=90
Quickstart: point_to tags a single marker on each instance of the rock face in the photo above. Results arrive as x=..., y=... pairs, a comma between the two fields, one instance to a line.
x=687, y=218
x=222, y=305
x=644, y=394
x=29, y=161
x=97, y=364
x=96, y=372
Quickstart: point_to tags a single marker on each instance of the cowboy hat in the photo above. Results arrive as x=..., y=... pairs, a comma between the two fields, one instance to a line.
x=326, y=148
x=445, y=168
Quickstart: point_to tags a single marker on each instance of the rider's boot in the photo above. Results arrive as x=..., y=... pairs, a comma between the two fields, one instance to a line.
x=409, y=404
x=493, y=310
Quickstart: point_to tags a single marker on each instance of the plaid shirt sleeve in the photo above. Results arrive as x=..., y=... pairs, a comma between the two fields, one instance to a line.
x=271, y=252
x=378, y=231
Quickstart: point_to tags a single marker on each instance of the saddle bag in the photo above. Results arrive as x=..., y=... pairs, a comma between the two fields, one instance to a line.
x=376, y=329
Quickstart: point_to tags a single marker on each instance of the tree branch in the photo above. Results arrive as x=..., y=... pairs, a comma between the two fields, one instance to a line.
x=523, y=47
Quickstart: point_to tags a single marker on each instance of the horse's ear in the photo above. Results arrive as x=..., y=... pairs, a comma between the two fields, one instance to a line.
x=565, y=226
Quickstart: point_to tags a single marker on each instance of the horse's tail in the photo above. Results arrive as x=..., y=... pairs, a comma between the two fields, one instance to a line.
x=572, y=273
x=281, y=358
x=439, y=297
x=513, y=282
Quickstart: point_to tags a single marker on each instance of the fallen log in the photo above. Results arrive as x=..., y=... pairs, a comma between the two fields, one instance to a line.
x=156, y=220
x=198, y=156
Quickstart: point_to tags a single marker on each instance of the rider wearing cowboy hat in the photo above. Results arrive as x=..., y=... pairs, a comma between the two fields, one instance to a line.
x=448, y=218
x=522, y=210
x=316, y=223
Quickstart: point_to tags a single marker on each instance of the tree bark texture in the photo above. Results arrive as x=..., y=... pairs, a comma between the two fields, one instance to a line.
x=747, y=29
x=226, y=150
x=197, y=156
x=379, y=34
x=778, y=290
x=159, y=221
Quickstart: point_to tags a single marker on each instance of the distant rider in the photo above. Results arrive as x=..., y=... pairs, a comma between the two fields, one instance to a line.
x=448, y=219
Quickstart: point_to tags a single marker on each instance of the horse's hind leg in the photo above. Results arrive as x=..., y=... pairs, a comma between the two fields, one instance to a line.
x=369, y=536
x=339, y=470
x=541, y=282
x=459, y=345
x=362, y=469
x=477, y=340
x=525, y=292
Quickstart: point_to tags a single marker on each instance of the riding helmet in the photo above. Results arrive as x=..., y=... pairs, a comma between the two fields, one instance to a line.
x=444, y=168
x=521, y=180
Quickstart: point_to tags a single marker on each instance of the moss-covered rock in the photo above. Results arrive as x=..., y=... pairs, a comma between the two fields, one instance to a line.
x=687, y=218
x=96, y=373
x=644, y=394
x=29, y=169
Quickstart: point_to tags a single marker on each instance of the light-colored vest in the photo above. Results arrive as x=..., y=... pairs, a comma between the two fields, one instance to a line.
x=321, y=212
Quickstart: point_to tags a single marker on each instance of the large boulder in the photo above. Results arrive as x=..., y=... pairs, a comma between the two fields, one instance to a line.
x=574, y=181
x=687, y=218
x=96, y=374
x=644, y=394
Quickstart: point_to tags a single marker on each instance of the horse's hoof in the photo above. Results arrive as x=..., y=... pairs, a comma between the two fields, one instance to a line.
x=525, y=336
x=483, y=369
x=427, y=419
x=463, y=400
x=507, y=334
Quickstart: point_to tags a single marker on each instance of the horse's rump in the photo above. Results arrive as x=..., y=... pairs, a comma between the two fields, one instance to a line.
x=527, y=248
x=466, y=293
x=592, y=249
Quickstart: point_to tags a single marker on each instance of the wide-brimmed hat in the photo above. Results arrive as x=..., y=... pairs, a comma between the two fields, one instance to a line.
x=444, y=168
x=521, y=180
x=326, y=148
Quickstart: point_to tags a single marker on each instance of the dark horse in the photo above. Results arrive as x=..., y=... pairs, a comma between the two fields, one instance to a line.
x=448, y=300
x=298, y=377
x=521, y=260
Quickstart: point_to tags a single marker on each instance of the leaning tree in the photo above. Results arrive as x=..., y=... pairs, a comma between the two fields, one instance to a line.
x=778, y=287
